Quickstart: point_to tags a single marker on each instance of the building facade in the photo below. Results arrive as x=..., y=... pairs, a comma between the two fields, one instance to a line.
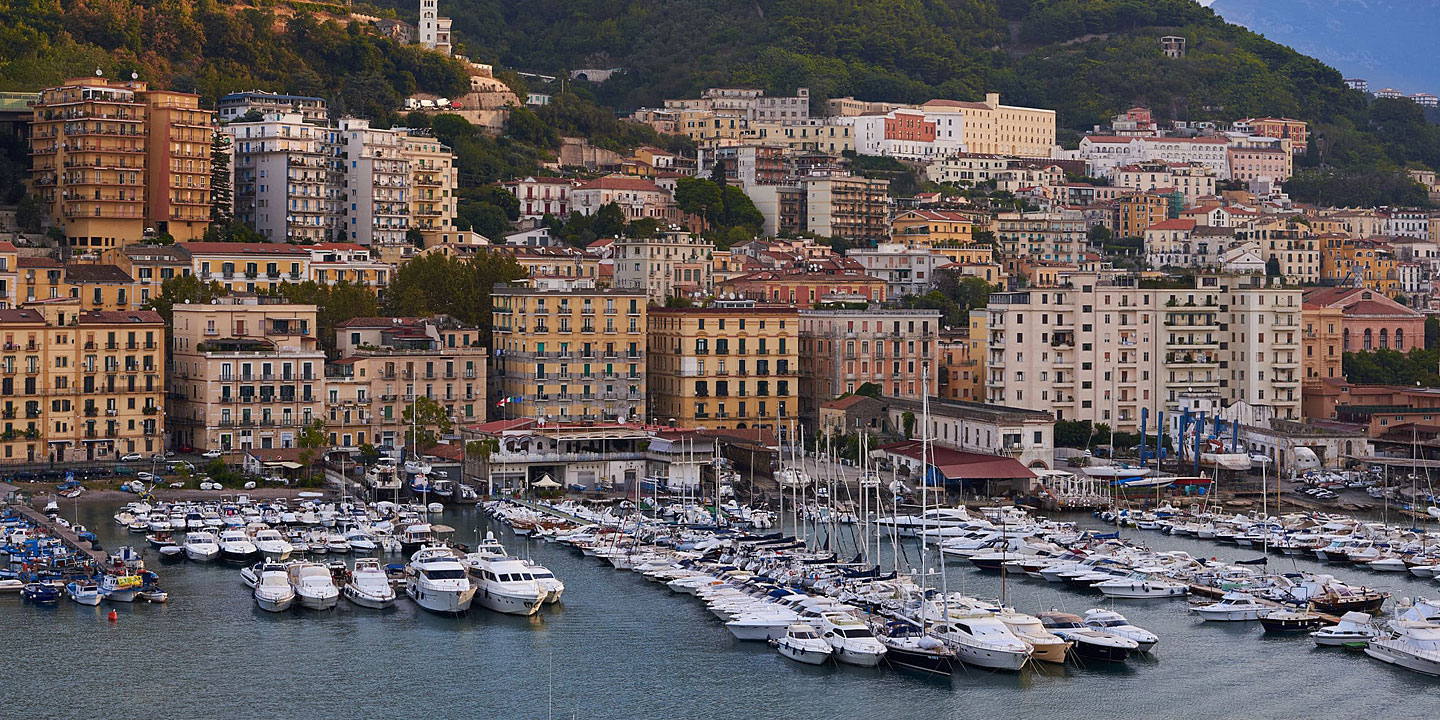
x=841, y=350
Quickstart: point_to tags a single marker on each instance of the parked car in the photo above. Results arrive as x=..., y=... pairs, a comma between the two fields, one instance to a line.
x=130, y=457
x=186, y=449
x=212, y=454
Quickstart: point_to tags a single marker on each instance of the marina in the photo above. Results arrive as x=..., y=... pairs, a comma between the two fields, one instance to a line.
x=618, y=645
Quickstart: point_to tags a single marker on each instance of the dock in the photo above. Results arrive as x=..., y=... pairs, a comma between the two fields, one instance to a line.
x=537, y=507
x=52, y=529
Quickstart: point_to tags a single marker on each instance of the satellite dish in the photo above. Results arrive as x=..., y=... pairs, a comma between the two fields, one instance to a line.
x=134, y=75
x=99, y=72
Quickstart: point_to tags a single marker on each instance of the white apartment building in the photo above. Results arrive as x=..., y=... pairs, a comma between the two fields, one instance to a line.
x=1104, y=153
x=1102, y=347
x=375, y=207
x=905, y=270
x=908, y=133
x=674, y=260
x=286, y=177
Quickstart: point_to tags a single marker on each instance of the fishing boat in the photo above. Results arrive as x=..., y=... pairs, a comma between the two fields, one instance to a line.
x=85, y=592
x=802, y=643
x=40, y=594
x=369, y=586
x=1287, y=620
x=120, y=588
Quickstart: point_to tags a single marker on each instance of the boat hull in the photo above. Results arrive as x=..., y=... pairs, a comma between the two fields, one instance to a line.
x=1102, y=651
x=991, y=659
x=311, y=601
x=275, y=604
x=809, y=656
x=1386, y=651
x=917, y=660
x=1141, y=590
x=441, y=602
x=368, y=600
x=508, y=603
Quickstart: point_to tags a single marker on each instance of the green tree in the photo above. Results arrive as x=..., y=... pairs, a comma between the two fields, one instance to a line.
x=907, y=423
x=222, y=195
x=698, y=196
x=312, y=438
x=425, y=420
x=456, y=287
x=29, y=214
x=181, y=290
x=609, y=221
x=717, y=173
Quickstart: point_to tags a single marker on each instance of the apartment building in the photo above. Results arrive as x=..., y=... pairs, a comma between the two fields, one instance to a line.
x=1323, y=342
x=541, y=196
x=94, y=286
x=570, y=355
x=249, y=267
x=150, y=266
x=1192, y=180
x=244, y=373
x=840, y=350
x=905, y=270
x=637, y=197
x=745, y=165
x=387, y=363
x=1296, y=131
x=288, y=177
x=783, y=207
x=1135, y=213
x=332, y=263
x=728, y=367
x=80, y=385
x=749, y=103
x=992, y=128
x=1103, y=346
x=1047, y=236
x=237, y=105
x=933, y=228
x=847, y=206
x=110, y=158
x=375, y=201
x=812, y=135
x=674, y=262
x=908, y=133
x=432, y=188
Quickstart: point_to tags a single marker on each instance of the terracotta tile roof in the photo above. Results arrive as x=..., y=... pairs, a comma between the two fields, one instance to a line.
x=621, y=182
x=114, y=317
x=226, y=248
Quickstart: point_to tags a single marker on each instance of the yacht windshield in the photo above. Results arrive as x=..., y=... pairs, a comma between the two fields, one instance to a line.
x=445, y=574
x=854, y=633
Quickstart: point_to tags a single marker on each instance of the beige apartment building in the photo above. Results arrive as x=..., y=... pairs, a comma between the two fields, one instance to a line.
x=432, y=188
x=1102, y=347
x=673, y=263
x=733, y=367
x=386, y=364
x=177, y=185
x=847, y=206
x=840, y=350
x=244, y=374
x=79, y=385
x=570, y=355
x=992, y=128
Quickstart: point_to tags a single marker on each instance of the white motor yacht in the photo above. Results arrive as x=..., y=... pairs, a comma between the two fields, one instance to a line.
x=1411, y=644
x=1044, y=645
x=235, y=546
x=764, y=622
x=272, y=544
x=504, y=584
x=911, y=525
x=1354, y=627
x=1234, y=606
x=1088, y=643
x=1139, y=586
x=435, y=579
x=201, y=545
x=314, y=586
x=273, y=592
x=547, y=581
x=369, y=586
x=802, y=643
x=980, y=638
x=1116, y=624
x=850, y=640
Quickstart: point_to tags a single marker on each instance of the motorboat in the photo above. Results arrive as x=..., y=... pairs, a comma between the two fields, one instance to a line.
x=201, y=546
x=250, y=574
x=1353, y=628
x=1087, y=642
x=120, y=588
x=1138, y=586
x=416, y=536
x=314, y=586
x=1411, y=644
x=272, y=544
x=504, y=584
x=369, y=586
x=236, y=547
x=85, y=592
x=1234, y=606
x=1116, y=624
x=273, y=591
x=1044, y=645
x=1289, y=620
x=547, y=581
x=11, y=585
x=850, y=639
x=802, y=643
x=762, y=623
x=937, y=518
x=908, y=645
x=436, y=580
x=40, y=593
x=978, y=636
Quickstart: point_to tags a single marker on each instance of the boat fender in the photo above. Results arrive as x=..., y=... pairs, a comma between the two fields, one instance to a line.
x=114, y=616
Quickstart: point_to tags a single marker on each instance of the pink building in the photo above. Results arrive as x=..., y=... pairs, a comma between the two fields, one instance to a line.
x=541, y=195
x=1247, y=164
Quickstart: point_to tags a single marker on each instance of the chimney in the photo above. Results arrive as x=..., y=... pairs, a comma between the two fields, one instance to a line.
x=992, y=100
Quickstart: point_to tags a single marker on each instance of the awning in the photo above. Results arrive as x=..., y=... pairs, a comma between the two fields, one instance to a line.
x=283, y=464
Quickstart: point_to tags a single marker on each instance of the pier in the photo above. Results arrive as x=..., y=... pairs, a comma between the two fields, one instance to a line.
x=42, y=521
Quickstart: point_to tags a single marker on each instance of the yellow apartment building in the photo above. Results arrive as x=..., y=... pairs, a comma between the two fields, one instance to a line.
x=177, y=163
x=80, y=385
x=388, y=363
x=432, y=188
x=1323, y=342
x=934, y=228
x=95, y=286
x=570, y=355
x=245, y=373
x=725, y=367
x=992, y=128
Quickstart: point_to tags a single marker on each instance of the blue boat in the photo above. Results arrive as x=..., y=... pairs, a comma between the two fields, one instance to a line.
x=40, y=594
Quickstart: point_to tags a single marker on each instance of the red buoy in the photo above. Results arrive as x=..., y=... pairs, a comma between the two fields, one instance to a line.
x=114, y=616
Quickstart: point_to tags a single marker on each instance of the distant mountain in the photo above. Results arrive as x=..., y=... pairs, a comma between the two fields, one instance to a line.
x=1390, y=43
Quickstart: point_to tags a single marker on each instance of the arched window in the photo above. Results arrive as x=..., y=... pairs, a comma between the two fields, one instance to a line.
x=1346, y=345
x=1399, y=338
x=1384, y=338
x=1367, y=345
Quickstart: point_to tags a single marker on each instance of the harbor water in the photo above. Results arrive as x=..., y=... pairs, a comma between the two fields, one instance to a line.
x=622, y=647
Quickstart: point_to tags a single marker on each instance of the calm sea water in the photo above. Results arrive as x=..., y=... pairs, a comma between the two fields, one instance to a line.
x=622, y=647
